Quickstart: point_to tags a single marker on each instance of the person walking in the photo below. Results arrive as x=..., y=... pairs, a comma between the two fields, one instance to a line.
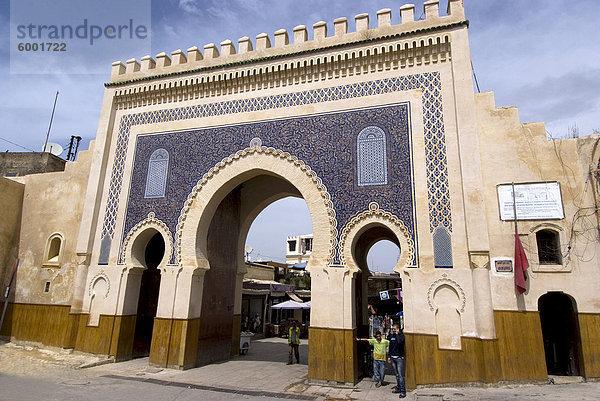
x=396, y=359
x=294, y=342
x=380, y=347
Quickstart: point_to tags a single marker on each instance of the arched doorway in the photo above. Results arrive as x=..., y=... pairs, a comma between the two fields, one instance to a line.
x=148, y=295
x=221, y=312
x=560, y=330
x=377, y=288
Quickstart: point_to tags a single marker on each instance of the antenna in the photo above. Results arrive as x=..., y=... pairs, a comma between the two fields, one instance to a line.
x=72, y=154
x=50, y=126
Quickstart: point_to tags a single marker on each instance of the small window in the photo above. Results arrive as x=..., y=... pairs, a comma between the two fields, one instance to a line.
x=548, y=244
x=156, y=179
x=47, y=287
x=371, y=157
x=53, y=250
x=291, y=246
x=307, y=244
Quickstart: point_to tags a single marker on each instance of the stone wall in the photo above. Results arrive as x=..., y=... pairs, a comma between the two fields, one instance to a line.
x=16, y=164
x=11, y=199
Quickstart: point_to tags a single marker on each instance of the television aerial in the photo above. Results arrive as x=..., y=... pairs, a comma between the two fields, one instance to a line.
x=53, y=148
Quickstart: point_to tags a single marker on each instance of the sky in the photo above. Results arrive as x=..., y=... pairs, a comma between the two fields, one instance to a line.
x=539, y=55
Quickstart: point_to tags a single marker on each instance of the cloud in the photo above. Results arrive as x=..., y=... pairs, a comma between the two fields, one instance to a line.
x=270, y=229
x=556, y=98
x=190, y=6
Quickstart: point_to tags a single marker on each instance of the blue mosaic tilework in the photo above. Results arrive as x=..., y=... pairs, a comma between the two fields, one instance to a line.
x=435, y=147
x=322, y=141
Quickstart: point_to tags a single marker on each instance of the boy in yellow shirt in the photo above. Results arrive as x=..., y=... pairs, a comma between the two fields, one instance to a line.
x=380, y=347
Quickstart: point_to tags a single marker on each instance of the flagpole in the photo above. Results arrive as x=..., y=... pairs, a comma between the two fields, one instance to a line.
x=7, y=293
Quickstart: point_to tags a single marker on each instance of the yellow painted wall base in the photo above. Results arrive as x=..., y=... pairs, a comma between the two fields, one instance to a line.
x=174, y=343
x=520, y=345
x=516, y=355
x=47, y=324
x=332, y=355
x=113, y=336
x=476, y=361
x=589, y=328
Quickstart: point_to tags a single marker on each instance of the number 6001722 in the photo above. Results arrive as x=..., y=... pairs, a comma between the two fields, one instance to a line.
x=42, y=46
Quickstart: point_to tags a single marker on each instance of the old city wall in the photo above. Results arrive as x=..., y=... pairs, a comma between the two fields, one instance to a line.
x=51, y=211
x=515, y=152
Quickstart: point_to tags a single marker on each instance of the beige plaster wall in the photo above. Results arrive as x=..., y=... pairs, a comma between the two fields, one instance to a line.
x=512, y=151
x=259, y=273
x=11, y=199
x=52, y=205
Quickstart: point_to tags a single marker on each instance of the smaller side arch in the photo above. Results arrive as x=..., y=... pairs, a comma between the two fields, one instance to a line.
x=447, y=300
x=99, y=289
x=377, y=216
x=137, y=238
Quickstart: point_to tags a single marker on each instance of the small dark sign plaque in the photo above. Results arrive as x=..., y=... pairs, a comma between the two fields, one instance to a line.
x=504, y=266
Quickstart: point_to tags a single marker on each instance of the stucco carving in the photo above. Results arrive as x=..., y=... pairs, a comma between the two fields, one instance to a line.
x=479, y=260
x=444, y=280
x=95, y=279
x=277, y=153
x=372, y=212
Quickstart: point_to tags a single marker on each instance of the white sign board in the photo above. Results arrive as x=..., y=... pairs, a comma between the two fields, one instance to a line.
x=537, y=201
x=384, y=295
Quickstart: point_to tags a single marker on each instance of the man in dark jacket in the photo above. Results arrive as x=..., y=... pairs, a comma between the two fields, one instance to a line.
x=396, y=358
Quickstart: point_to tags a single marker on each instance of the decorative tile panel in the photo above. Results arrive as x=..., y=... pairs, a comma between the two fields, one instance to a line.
x=318, y=146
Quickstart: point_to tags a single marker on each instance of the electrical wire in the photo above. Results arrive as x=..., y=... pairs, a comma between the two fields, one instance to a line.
x=16, y=144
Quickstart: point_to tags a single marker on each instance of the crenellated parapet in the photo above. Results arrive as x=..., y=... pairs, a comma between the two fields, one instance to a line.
x=290, y=59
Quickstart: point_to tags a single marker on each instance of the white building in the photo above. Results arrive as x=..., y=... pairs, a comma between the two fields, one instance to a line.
x=298, y=249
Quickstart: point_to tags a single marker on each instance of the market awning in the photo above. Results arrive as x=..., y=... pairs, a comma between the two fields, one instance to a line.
x=292, y=305
x=293, y=297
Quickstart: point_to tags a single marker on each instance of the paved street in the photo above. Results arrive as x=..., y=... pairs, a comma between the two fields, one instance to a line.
x=30, y=373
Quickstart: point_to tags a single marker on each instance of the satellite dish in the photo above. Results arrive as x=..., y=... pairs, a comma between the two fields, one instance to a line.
x=53, y=148
x=249, y=249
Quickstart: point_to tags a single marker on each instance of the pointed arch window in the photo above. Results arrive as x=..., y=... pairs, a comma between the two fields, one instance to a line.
x=371, y=156
x=156, y=179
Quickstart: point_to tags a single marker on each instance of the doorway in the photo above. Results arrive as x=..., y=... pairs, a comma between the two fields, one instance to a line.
x=148, y=297
x=377, y=288
x=560, y=331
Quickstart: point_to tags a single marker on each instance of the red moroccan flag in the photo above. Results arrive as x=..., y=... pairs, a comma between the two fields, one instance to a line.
x=521, y=264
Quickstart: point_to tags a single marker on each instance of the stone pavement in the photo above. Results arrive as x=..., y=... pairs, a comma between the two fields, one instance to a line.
x=261, y=373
